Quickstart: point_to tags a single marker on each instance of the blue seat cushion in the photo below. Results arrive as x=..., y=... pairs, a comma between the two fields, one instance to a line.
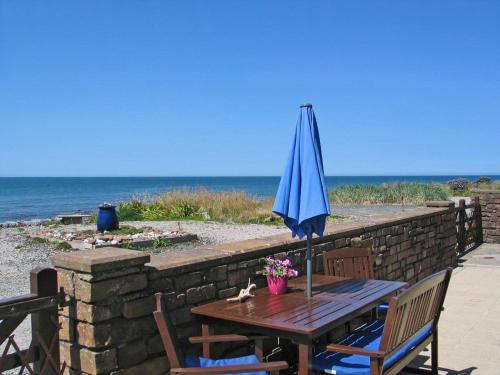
x=366, y=337
x=383, y=308
x=192, y=361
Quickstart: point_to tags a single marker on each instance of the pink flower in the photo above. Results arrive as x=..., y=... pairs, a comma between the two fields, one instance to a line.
x=293, y=273
x=278, y=268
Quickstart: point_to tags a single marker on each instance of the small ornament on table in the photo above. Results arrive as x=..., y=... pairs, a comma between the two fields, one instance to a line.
x=244, y=293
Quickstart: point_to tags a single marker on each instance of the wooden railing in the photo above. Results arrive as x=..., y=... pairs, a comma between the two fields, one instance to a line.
x=42, y=355
x=469, y=227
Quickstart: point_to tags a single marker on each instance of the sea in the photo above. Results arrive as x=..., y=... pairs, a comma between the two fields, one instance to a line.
x=28, y=198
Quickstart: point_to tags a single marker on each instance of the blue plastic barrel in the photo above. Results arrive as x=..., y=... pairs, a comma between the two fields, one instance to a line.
x=107, y=220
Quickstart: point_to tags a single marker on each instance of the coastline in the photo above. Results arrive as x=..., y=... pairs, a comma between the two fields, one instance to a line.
x=345, y=210
x=38, y=198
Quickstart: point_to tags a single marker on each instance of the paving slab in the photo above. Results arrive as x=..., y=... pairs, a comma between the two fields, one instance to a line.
x=487, y=254
x=469, y=328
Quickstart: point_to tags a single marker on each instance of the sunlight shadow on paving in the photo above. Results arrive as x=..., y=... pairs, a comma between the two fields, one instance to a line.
x=421, y=360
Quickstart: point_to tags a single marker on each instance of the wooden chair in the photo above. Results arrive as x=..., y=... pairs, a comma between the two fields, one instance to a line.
x=181, y=364
x=386, y=348
x=352, y=262
x=349, y=262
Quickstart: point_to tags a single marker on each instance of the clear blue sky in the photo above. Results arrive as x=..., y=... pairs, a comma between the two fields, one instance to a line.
x=133, y=88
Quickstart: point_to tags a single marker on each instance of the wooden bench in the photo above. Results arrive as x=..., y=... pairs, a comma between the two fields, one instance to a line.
x=387, y=347
x=76, y=218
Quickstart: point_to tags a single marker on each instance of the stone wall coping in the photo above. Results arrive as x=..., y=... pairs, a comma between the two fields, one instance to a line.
x=440, y=204
x=489, y=191
x=99, y=260
x=213, y=255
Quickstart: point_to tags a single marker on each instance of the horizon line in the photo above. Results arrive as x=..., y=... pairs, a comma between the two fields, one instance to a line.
x=260, y=176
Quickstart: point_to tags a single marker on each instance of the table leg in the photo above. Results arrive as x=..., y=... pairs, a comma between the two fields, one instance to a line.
x=305, y=358
x=206, y=330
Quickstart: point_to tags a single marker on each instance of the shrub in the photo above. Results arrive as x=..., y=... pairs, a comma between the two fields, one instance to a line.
x=161, y=242
x=483, y=180
x=39, y=240
x=461, y=185
x=155, y=211
x=130, y=210
x=184, y=209
x=493, y=185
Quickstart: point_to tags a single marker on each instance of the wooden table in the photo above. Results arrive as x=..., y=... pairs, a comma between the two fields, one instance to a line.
x=336, y=300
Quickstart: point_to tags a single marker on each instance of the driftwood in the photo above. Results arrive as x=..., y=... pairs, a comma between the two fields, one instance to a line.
x=244, y=294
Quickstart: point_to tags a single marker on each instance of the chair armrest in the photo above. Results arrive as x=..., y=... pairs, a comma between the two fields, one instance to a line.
x=223, y=338
x=268, y=366
x=353, y=350
x=399, y=291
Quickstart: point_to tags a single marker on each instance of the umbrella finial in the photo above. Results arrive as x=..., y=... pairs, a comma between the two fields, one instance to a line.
x=306, y=105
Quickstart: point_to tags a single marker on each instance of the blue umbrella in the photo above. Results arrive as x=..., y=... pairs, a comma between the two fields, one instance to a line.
x=302, y=198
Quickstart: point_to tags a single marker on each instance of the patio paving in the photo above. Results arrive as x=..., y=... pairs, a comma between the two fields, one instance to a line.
x=469, y=328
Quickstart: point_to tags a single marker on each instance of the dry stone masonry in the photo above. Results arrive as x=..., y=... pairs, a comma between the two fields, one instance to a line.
x=109, y=328
x=490, y=213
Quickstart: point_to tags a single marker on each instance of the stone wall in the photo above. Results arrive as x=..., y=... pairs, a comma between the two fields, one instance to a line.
x=490, y=213
x=109, y=329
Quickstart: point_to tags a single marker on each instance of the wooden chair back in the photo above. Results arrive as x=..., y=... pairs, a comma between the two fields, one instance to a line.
x=349, y=262
x=167, y=333
x=414, y=310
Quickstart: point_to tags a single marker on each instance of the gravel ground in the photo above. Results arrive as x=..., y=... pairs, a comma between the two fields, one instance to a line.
x=18, y=257
x=20, y=254
x=214, y=233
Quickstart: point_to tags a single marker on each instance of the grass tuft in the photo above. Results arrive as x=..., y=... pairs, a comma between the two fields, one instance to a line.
x=127, y=230
x=397, y=193
x=61, y=245
x=200, y=204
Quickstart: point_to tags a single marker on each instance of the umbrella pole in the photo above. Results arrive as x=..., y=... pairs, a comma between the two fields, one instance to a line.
x=309, y=267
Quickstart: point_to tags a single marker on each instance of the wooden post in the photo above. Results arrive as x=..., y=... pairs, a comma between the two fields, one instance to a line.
x=461, y=226
x=206, y=330
x=305, y=357
x=478, y=221
x=434, y=353
x=44, y=324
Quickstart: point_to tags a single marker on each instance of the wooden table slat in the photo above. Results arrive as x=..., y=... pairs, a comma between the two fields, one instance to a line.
x=372, y=289
x=324, y=305
x=351, y=287
x=300, y=308
x=317, y=316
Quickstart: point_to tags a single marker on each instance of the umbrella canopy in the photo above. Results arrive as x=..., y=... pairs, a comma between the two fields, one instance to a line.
x=302, y=198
